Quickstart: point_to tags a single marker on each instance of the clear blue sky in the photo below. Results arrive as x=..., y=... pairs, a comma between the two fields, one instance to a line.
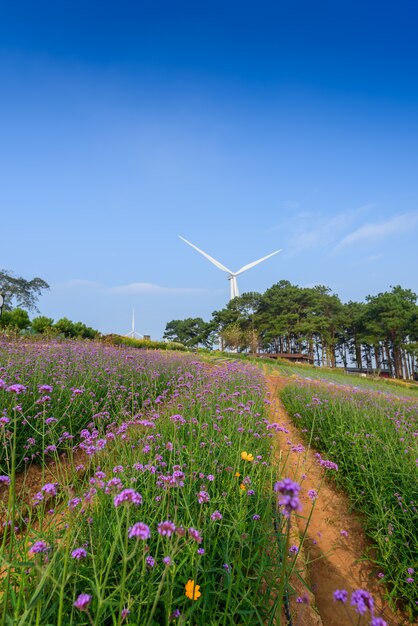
x=243, y=126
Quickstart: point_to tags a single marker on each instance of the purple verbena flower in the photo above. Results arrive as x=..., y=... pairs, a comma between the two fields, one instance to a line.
x=194, y=534
x=362, y=601
x=46, y=388
x=328, y=464
x=79, y=553
x=128, y=495
x=139, y=530
x=83, y=601
x=166, y=529
x=202, y=497
x=39, y=547
x=340, y=595
x=50, y=489
x=16, y=388
x=289, y=498
x=216, y=515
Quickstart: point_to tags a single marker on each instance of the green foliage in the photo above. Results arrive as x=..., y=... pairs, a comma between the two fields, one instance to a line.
x=65, y=327
x=380, y=333
x=70, y=329
x=371, y=436
x=19, y=292
x=42, y=324
x=17, y=319
x=144, y=344
x=190, y=332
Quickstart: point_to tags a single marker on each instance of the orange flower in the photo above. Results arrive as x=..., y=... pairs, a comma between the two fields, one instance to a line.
x=243, y=487
x=192, y=590
x=246, y=456
x=237, y=474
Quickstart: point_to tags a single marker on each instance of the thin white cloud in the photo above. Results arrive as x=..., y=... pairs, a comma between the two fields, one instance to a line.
x=128, y=289
x=379, y=230
x=316, y=231
x=76, y=283
x=151, y=288
x=372, y=258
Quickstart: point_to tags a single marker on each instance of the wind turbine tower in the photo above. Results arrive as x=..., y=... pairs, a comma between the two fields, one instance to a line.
x=232, y=276
x=133, y=333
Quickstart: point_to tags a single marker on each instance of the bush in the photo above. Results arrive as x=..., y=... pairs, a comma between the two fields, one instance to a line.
x=148, y=344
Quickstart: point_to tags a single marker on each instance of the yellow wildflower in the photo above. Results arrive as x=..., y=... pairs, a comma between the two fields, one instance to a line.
x=237, y=474
x=192, y=590
x=243, y=487
x=246, y=456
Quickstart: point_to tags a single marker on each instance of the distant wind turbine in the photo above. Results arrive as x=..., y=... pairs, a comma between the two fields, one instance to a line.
x=232, y=276
x=133, y=332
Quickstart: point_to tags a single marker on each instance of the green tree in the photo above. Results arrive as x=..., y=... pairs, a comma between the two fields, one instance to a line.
x=391, y=318
x=65, y=327
x=42, y=324
x=82, y=331
x=19, y=292
x=191, y=332
x=17, y=319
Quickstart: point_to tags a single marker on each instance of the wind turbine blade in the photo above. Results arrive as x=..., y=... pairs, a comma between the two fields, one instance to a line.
x=212, y=260
x=250, y=265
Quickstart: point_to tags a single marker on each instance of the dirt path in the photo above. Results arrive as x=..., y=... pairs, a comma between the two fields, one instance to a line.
x=335, y=540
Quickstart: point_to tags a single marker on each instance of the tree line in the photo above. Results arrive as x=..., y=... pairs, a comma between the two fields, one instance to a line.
x=20, y=294
x=378, y=334
x=18, y=320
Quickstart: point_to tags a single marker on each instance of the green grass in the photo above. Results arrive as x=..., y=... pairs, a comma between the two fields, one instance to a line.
x=288, y=369
x=372, y=436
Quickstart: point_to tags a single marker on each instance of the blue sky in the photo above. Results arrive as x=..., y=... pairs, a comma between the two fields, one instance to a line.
x=245, y=127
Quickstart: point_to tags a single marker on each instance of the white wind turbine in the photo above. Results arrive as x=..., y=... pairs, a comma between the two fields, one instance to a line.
x=133, y=333
x=232, y=276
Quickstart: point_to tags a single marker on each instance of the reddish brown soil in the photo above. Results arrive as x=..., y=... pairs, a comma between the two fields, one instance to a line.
x=334, y=561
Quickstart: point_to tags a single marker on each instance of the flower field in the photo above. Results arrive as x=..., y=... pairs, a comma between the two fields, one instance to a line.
x=372, y=436
x=146, y=488
x=154, y=502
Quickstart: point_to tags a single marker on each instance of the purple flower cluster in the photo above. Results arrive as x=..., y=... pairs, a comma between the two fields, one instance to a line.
x=289, y=496
x=195, y=534
x=363, y=603
x=128, y=495
x=79, y=553
x=83, y=601
x=39, y=547
x=139, y=530
x=166, y=529
x=16, y=388
x=50, y=489
x=328, y=465
x=203, y=497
